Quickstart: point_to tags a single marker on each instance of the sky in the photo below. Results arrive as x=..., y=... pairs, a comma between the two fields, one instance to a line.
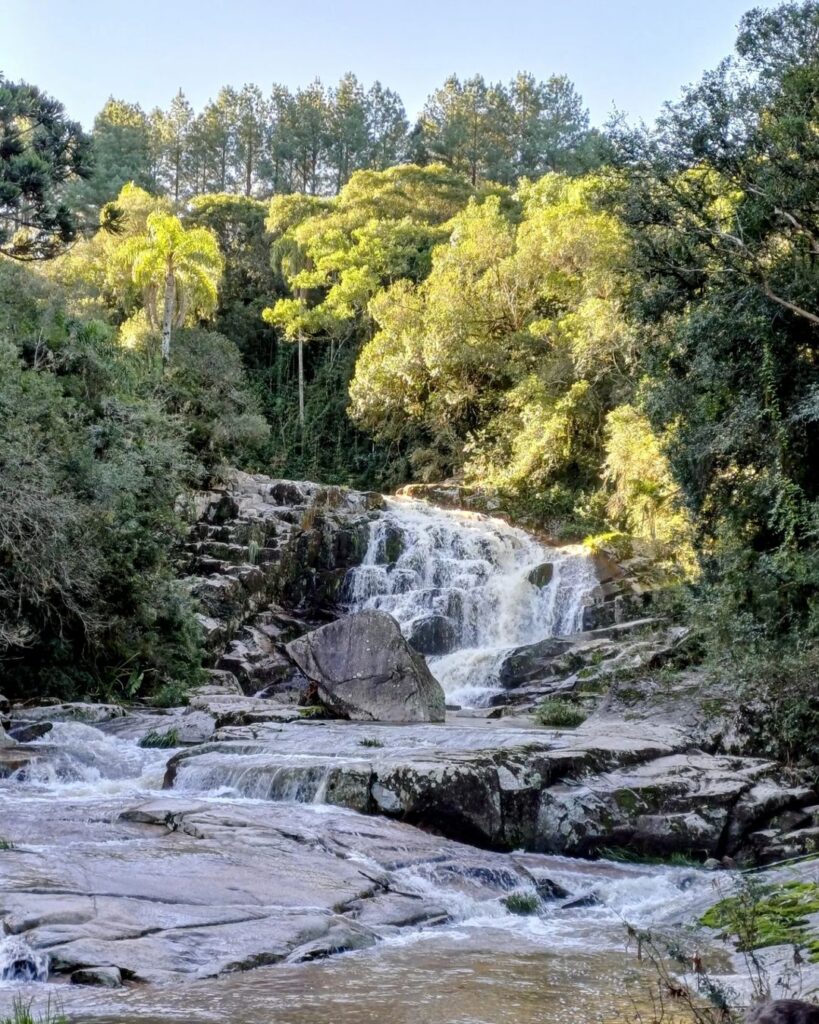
x=628, y=54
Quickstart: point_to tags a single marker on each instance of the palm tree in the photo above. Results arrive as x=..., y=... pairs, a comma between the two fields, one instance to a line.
x=181, y=265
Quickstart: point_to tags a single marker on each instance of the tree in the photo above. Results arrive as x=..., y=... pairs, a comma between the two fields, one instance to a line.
x=41, y=151
x=549, y=126
x=504, y=360
x=465, y=126
x=251, y=121
x=249, y=282
x=180, y=266
x=121, y=151
x=387, y=128
x=306, y=126
x=347, y=129
x=171, y=133
x=335, y=254
x=722, y=204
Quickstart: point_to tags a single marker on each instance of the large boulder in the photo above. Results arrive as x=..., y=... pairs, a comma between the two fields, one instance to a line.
x=365, y=670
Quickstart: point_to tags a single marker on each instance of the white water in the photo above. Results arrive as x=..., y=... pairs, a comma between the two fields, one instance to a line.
x=484, y=965
x=19, y=962
x=473, y=570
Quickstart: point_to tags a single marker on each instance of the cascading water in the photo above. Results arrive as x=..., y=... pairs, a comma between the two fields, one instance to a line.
x=19, y=962
x=68, y=817
x=461, y=581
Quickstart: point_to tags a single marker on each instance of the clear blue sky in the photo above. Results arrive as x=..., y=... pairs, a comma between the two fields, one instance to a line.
x=630, y=53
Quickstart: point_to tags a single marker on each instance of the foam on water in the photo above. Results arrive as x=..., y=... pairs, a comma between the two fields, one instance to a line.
x=20, y=963
x=81, y=760
x=474, y=571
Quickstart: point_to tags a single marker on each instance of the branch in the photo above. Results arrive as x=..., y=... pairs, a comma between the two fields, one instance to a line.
x=796, y=310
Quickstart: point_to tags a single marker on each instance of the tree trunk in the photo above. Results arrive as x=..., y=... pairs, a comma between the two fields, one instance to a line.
x=167, y=316
x=301, y=385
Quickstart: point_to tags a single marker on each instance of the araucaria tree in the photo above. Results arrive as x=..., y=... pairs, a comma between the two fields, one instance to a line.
x=178, y=270
x=40, y=151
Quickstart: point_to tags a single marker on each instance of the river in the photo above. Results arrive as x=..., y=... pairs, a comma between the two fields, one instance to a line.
x=80, y=861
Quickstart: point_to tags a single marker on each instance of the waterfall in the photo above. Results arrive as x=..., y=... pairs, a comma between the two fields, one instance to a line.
x=460, y=586
x=19, y=962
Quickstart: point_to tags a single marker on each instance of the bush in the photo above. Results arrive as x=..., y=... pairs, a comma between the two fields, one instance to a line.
x=206, y=386
x=90, y=470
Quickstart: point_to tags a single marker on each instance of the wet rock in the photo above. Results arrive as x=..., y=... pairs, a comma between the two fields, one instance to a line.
x=195, y=727
x=104, y=977
x=13, y=758
x=542, y=575
x=365, y=670
x=548, y=890
x=590, y=899
x=433, y=634
x=532, y=661
x=396, y=910
x=196, y=889
x=5, y=705
x=90, y=714
x=232, y=710
x=29, y=733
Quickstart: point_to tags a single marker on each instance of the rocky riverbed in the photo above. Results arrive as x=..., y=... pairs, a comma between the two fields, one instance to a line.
x=315, y=819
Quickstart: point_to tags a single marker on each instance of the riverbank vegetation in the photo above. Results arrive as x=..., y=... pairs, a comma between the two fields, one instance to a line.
x=614, y=330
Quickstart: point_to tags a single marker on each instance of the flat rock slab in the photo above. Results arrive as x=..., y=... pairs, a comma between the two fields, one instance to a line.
x=608, y=783
x=176, y=887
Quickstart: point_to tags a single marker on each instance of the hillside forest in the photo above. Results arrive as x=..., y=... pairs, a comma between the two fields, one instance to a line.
x=613, y=330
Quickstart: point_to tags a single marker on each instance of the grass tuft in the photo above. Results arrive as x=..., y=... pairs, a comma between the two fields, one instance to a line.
x=22, y=1013
x=162, y=740
x=522, y=903
x=559, y=713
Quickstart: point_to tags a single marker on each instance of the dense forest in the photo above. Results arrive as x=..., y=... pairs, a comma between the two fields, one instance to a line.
x=614, y=330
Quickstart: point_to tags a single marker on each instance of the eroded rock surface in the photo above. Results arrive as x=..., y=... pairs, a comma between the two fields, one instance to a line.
x=508, y=785
x=178, y=888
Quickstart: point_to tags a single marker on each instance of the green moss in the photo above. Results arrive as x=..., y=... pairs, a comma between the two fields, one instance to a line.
x=522, y=903
x=370, y=742
x=314, y=711
x=628, y=801
x=169, y=738
x=5, y=844
x=559, y=713
x=770, y=915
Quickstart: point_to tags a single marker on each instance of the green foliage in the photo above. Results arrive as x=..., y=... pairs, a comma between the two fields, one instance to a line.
x=40, y=152
x=90, y=470
x=121, y=152
x=206, y=386
x=722, y=203
x=769, y=915
x=502, y=362
x=177, y=270
x=6, y=844
x=161, y=739
x=499, y=133
x=249, y=282
x=559, y=713
x=22, y=1013
x=521, y=903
